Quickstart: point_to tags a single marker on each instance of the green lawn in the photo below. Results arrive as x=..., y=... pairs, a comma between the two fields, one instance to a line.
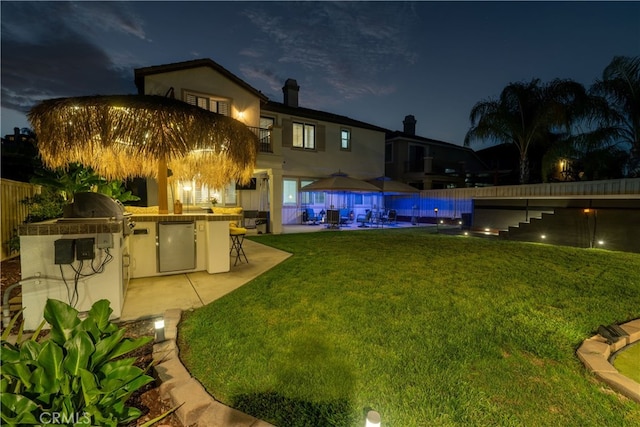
x=628, y=362
x=429, y=330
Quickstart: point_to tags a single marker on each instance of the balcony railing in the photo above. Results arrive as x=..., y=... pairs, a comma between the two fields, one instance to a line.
x=264, y=139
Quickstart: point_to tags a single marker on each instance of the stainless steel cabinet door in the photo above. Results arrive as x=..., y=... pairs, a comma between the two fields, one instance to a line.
x=176, y=246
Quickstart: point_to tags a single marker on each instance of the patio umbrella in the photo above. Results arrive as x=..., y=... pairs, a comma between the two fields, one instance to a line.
x=341, y=182
x=390, y=187
x=125, y=136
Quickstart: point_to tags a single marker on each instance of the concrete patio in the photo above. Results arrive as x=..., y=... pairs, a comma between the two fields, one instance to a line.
x=152, y=296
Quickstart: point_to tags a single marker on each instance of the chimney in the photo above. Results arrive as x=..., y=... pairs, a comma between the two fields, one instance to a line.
x=409, y=125
x=290, y=91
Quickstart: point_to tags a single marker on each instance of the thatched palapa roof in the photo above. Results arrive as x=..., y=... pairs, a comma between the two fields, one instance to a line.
x=124, y=136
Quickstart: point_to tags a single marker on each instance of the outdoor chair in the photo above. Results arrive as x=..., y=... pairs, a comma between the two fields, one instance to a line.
x=262, y=222
x=309, y=216
x=250, y=219
x=391, y=217
x=237, y=239
x=333, y=218
x=345, y=216
x=364, y=219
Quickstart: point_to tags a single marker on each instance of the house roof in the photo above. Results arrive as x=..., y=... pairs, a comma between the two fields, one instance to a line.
x=278, y=107
x=403, y=135
x=141, y=73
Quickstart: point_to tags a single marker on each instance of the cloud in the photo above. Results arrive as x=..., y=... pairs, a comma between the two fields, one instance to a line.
x=267, y=75
x=94, y=17
x=49, y=50
x=349, y=46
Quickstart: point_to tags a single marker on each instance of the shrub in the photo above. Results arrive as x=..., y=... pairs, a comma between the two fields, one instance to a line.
x=77, y=376
x=47, y=205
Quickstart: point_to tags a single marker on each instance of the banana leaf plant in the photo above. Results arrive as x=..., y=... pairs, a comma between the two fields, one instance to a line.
x=78, y=375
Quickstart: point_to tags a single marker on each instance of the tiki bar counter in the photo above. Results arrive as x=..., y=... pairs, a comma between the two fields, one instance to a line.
x=88, y=259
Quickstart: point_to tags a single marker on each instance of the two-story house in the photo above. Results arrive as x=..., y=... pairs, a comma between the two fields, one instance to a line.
x=426, y=163
x=297, y=145
x=315, y=144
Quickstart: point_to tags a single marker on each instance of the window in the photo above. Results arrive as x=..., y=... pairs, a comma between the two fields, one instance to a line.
x=304, y=136
x=193, y=193
x=388, y=153
x=416, y=158
x=217, y=105
x=345, y=139
x=289, y=191
x=311, y=197
x=362, y=199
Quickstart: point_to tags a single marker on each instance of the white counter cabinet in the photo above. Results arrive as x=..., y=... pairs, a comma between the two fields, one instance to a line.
x=211, y=240
x=78, y=283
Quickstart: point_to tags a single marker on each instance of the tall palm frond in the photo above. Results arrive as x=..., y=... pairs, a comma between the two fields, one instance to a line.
x=524, y=114
x=620, y=88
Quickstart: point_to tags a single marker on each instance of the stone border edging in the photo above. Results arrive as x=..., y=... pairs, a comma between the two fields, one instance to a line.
x=198, y=407
x=595, y=352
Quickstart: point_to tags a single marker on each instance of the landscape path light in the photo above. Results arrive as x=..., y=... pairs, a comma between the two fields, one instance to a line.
x=592, y=234
x=159, y=325
x=373, y=419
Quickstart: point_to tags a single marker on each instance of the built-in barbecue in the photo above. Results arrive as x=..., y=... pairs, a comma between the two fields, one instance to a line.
x=89, y=207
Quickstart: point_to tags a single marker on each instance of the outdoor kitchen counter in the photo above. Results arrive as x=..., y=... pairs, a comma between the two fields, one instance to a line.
x=185, y=217
x=53, y=227
x=57, y=263
x=211, y=240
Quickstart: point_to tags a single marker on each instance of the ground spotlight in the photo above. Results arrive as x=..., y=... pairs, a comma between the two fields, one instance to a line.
x=373, y=419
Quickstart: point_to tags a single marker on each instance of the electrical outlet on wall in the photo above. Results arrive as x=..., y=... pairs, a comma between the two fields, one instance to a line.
x=104, y=241
x=84, y=249
x=63, y=251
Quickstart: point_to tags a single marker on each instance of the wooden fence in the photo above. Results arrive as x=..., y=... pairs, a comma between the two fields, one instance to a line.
x=12, y=211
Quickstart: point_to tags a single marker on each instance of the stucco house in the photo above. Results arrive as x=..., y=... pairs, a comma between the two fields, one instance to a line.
x=297, y=145
x=427, y=163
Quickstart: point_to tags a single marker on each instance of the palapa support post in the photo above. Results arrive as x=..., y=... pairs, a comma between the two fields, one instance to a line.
x=163, y=202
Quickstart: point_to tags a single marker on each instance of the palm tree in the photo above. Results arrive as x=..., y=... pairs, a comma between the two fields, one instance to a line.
x=619, y=88
x=525, y=114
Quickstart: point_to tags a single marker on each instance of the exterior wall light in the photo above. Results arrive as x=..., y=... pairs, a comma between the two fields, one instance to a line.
x=159, y=325
x=373, y=419
x=601, y=242
x=543, y=236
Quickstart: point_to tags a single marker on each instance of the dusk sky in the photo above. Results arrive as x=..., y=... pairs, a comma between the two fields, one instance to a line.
x=375, y=62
